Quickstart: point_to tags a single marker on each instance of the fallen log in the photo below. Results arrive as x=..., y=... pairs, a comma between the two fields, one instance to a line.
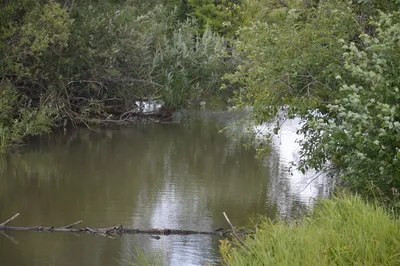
x=108, y=231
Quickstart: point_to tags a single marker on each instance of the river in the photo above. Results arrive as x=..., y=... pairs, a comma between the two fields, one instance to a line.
x=180, y=175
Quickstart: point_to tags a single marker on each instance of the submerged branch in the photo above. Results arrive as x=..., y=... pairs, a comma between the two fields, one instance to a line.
x=10, y=238
x=118, y=229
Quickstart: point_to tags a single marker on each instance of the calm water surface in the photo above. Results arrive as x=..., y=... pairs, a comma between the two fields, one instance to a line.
x=181, y=175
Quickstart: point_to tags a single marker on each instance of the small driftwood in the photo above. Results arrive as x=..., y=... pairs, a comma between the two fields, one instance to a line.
x=106, y=231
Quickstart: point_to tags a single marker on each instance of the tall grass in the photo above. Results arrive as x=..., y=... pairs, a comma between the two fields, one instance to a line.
x=138, y=257
x=342, y=231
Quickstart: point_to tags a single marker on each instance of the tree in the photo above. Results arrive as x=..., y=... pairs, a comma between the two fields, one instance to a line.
x=293, y=65
x=361, y=133
x=290, y=61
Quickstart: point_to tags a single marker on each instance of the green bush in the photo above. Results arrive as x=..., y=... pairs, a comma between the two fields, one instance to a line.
x=291, y=62
x=224, y=17
x=18, y=118
x=191, y=65
x=32, y=42
x=361, y=133
x=112, y=52
x=293, y=65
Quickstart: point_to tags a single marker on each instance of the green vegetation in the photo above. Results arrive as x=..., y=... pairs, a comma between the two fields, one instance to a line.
x=18, y=118
x=90, y=61
x=138, y=257
x=293, y=60
x=361, y=133
x=333, y=64
x=341, y=231
x=223, y=16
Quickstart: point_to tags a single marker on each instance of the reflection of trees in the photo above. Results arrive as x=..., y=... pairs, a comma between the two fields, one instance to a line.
x=290, y=193
x=203, y=174
x=184, y=176
x=211, y=165
x=151, y=175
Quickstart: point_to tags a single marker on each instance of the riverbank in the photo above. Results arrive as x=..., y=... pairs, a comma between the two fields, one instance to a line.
x=342, y=231
x=101, y=63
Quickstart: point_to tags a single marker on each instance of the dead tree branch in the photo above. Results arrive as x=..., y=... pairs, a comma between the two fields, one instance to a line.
x=234, y=232
x=107, y=231
x=9, y=220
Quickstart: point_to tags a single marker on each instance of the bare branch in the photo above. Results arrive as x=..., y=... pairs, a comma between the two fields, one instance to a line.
x=9, y=220
x=234, y=232
x=73, y=224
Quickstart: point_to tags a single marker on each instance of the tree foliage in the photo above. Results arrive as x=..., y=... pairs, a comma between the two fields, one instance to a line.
x=292, y=61
x=293, y=65
x=222, y=16
x=93, y=60
x=361, y=132
x=32, y=40
x=18, y=118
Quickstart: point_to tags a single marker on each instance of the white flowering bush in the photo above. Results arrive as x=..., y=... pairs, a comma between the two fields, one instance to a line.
x=361, y=132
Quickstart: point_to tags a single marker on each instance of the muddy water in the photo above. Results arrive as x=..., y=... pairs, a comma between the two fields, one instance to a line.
x=180, y=175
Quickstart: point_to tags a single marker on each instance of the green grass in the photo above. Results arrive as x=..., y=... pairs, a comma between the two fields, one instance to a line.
x=343, y=231
x=138, y=257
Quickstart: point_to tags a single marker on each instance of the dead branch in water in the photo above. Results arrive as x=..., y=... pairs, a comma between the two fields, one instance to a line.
x=118, y=229
x=9, y=220
x=234, y=232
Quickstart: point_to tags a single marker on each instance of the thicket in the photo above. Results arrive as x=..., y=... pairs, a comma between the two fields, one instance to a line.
x=335, y=65
x=361, y=131
x=91, y=61
x=222, y=16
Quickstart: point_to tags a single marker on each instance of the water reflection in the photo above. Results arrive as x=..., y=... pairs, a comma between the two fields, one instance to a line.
x=181, y=175
x=289, y=189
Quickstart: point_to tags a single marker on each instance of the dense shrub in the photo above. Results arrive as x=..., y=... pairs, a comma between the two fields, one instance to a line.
x=361, y=133
x=294, y=66
x=18, y=118
x=292, y=62
x=93, y=60
x=191, y=65
x=223, y=16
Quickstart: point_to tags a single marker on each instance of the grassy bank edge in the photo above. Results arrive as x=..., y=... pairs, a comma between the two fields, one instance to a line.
x=344, y=230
